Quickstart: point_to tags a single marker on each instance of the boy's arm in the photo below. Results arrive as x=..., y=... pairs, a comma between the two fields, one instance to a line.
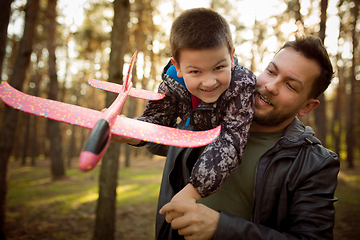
x=187, y=194
x=162, y=111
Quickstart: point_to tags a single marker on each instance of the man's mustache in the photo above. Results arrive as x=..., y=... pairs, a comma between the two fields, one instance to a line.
x=265, y=96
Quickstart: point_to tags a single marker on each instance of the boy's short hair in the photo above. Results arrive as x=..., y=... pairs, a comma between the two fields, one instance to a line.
x=313, y=48
x=199, y=28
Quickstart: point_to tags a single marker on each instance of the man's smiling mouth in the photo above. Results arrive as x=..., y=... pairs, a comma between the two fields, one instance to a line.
x=263, y=99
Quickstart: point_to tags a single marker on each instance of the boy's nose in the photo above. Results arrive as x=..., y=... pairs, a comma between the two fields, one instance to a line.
x=209, y=81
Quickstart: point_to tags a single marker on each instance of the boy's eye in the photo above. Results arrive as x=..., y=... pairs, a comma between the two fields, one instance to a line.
x=195, y=72
x=219, y=67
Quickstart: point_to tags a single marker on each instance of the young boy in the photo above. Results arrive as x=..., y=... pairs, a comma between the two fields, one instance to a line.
x=206, y=87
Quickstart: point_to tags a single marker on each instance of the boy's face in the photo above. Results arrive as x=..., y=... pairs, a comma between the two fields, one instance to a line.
x=283, y=90
x=206, y=72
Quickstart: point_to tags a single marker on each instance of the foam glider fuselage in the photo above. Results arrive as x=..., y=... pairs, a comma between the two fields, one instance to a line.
x=108, y=122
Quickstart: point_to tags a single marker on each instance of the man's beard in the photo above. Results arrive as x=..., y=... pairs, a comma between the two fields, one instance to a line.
x=274, y=117
x=271, y=119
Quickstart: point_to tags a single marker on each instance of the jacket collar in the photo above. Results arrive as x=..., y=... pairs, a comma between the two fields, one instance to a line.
x=297, y=134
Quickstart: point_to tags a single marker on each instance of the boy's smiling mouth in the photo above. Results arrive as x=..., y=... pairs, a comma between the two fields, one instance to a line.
x=209, y=90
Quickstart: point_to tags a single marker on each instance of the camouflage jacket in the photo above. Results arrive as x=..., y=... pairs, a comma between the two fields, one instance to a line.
x=233, y=111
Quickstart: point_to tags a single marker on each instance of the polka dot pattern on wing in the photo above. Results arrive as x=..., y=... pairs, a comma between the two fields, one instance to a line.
x=51, y=109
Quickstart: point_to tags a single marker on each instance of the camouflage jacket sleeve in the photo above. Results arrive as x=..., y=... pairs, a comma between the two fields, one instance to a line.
x=164, y=111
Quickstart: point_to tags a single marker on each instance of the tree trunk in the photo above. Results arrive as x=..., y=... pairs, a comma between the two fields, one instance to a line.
x=33, y=142
x=350, y=134
x=320, y=115
x=26, y=136
x=128, y=150
x=71, y=146
x=337, y=120
x=5, y=10
x=33, y=126
x=339, y=102
x=53, y=127
x=106, y=205
x=8, y=128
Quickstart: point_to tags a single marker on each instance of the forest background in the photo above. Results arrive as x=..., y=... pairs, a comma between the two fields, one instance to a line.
x=50, y=48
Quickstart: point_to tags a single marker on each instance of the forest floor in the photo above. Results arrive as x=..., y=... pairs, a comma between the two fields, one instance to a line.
x=347, y=215
x=41, y=209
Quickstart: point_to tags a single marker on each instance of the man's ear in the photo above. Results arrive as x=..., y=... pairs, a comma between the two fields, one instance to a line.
x=310, y=105
x=177, y=66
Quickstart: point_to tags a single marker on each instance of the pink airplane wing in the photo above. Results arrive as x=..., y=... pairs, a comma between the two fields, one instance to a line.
x=87, y=118
x=55, y=110
x=134, y=92
x=163, y=135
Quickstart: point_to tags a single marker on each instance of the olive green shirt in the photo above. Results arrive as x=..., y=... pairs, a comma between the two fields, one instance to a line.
x=235, y=196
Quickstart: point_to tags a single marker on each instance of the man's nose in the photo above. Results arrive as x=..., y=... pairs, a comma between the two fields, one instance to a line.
x=272, y=87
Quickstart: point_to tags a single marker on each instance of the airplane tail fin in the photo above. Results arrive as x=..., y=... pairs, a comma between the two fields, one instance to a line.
x=127, y=82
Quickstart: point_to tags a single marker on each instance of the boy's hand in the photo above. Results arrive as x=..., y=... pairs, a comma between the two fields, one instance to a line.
x=172, y=215
x=188, y=194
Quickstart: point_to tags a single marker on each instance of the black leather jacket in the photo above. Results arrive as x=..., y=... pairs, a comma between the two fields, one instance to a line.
x=293, y=194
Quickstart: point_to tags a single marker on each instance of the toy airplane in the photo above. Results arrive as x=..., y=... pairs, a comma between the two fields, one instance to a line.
x=104, y=124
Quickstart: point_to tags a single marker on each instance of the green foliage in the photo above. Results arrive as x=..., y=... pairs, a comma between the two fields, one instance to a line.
x=35, y=201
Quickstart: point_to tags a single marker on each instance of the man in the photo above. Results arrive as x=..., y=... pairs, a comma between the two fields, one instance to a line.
x=284, y=187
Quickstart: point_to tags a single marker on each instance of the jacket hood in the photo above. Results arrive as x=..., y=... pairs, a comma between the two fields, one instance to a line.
x=297, y=134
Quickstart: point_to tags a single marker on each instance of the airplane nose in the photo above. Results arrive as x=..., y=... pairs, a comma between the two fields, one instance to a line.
x=95, y=146
x=98, y=138
x=88, y=160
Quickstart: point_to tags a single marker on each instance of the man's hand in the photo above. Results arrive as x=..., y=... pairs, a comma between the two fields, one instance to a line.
x=197, y=220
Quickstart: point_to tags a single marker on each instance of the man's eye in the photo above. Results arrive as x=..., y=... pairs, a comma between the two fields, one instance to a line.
x=291, y=87
x=269, y=71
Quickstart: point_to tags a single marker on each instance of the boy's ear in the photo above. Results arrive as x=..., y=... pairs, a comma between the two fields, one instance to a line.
x=310, y=105
x=177, y=66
